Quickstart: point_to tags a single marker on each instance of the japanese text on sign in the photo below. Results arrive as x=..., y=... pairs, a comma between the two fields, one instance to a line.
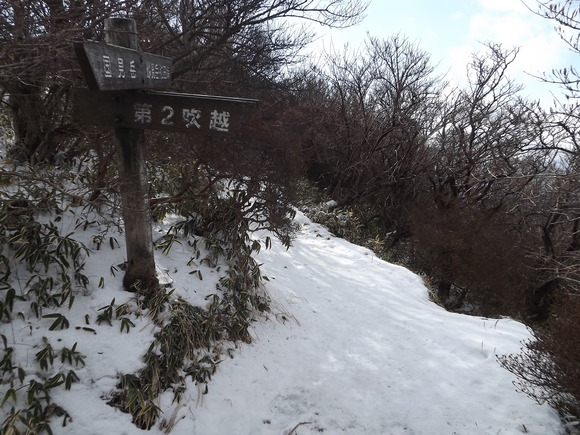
x=118, y=68
x=191, y=118
x=157, y=71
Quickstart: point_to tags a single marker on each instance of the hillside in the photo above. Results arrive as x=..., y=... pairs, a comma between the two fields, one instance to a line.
x=353, y=345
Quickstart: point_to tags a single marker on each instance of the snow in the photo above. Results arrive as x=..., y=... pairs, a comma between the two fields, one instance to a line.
x=353, y=345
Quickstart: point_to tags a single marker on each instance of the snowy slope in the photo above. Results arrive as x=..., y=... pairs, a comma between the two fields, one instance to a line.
x=369, y=354
x=354, y=346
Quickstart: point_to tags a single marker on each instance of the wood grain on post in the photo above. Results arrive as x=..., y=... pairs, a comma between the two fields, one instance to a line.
x=140, y=273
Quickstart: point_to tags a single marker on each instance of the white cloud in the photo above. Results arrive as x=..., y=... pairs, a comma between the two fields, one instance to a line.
x=510, y=28
x=510, y=23
x=503, y=5
x=457, y=16
x=451, y=31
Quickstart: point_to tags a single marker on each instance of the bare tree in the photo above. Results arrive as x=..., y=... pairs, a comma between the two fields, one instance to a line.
x=208, y=40
x=487, y=133
x=35, y=63
x=379, y=111
x=470, y=229
x=565, y=15
x=547, y=368
x=561, y=212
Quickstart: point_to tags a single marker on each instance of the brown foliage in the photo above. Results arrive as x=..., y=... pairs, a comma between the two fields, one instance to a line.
x=216, y=46
x=548, y=369
x=472, y=251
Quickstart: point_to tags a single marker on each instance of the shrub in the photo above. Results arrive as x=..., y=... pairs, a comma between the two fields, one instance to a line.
x=191, y=340
x=547, y=368
x=41, y=269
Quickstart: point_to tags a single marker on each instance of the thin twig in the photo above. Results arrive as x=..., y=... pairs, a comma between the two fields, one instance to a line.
x=296, y=427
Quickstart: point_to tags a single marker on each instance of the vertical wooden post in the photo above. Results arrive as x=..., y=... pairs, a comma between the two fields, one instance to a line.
x=140, y=273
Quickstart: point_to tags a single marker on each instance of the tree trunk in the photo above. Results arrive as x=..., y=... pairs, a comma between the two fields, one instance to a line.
x=140, y=274
x=541, y=299
x=444, y=292
x=31, y=122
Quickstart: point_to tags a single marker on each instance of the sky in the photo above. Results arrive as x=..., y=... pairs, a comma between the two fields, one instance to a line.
x=353, y=345
x=450, y=30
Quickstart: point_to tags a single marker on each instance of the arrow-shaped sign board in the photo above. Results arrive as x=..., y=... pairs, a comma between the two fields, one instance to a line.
x=165, y=111
x=110, y=67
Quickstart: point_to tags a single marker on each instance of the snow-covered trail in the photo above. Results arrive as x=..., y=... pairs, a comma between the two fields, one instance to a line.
x=368, y=353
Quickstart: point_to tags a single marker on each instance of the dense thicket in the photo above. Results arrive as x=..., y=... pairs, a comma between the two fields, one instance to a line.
x=217, y=46
x=475, y=186
x=220, y=47
x=220, y=188
x=447, y=178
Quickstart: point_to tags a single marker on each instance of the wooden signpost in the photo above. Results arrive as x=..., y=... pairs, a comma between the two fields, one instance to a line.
x=166, y=111
x=108, y=67
x=118, y=75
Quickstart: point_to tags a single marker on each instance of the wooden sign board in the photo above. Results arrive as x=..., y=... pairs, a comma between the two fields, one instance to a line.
x=165, y=111
x=110, y=67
